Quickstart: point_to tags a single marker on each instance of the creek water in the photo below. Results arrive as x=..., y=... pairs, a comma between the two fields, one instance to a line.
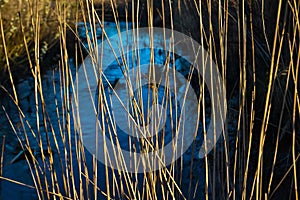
x=40, y=131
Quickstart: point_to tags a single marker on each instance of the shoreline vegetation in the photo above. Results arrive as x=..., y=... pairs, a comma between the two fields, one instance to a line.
x=32, y=31
x=255, y=45
x=26, y=22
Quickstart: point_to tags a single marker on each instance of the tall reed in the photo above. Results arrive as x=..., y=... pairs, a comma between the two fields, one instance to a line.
x=257, y=54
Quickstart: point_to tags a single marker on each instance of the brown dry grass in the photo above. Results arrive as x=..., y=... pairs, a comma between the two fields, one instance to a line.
x=256, y=47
